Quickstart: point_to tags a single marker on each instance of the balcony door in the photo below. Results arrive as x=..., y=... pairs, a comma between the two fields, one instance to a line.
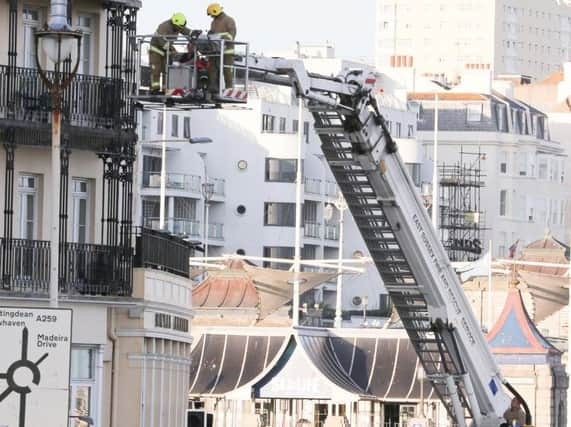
x=31, y=21
x=80, y=211
x=85, y=24
x=28, y=201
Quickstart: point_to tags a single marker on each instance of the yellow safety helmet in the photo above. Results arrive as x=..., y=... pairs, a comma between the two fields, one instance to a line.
x=179, y=19
x=214, y=9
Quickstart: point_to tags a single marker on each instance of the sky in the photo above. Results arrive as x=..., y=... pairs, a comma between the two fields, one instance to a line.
x=271, y=25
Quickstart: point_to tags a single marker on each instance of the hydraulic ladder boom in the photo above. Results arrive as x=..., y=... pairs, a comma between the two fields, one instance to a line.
x=394, y=223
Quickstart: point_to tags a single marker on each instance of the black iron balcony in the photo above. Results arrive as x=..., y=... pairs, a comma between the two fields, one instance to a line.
x=93, y=103
x=162, y=251
x=85, y=269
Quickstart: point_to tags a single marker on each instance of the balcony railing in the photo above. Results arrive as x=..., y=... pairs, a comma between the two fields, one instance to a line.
x=331, y=188
x=216, y=231
x=219, y=186
x=331, y=232
x=312, y=186
x=90, y=101
x=175, y=181
x=163, y=252
x=312, y=229
x=85, y=269
x=176, y=226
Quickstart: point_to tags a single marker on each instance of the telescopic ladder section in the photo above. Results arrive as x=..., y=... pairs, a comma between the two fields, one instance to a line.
x=368, y=209
x=410, y=259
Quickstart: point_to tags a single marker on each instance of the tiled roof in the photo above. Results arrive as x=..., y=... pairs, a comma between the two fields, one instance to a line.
x=515, y=332
x=552, y=79
x=229, y=288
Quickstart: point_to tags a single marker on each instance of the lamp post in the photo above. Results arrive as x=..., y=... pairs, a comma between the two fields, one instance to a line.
x=297, y=246
x=365, y=303
x=207, y=193
x=57, y=41
x=341, y=206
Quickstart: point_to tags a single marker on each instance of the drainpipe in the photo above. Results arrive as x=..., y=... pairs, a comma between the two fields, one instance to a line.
x=113, y=338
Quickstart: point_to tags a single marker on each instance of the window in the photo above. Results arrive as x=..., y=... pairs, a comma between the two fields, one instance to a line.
x=562, y=169
x=504, y=163
x=268, y=123
x=414, y=172
x=186, y=128
x=503, y=202
x=85, y=25
x=306, y=131
x=280, y=214
x=174, y=125
x=502, y=121
x=398, y=129
x=160, y=123
x=522, y=164
x=562, y=213
x=295, y=126
x=282, y=125
x=31, y=21
x=278, y=252
x=184, y=208
x=80, y=211
x=83, y=393
x=474, y=112
x=28, y=194
x=410, y=132
x=281, y=170
x=543, y=167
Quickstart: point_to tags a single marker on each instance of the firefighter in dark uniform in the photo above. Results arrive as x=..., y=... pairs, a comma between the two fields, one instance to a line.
x=225, y=27
x=160, y=44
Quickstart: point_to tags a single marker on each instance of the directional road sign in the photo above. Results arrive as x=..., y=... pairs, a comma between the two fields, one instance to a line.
x=34, y=367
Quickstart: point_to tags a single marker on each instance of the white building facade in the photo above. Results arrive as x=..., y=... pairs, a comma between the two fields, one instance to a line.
x=523, y=171
x=442, y=39
x=253, y=159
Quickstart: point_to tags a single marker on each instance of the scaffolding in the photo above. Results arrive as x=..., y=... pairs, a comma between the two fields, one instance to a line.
x=462, y=220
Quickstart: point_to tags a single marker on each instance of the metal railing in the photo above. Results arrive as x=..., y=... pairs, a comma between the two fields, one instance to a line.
x=219, y=186
x=163, y=252
x=176, y=226
x=175, y=181
x=331, y=232
x=85, y=269
x=331, y=189
x=312, y=186
x=216, y=231
x=312, y=229
x=90, y=101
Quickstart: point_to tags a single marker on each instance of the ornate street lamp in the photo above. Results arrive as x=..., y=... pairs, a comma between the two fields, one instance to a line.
x=57, y=42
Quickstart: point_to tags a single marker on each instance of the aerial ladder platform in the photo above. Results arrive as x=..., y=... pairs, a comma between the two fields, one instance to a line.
x=394, y=224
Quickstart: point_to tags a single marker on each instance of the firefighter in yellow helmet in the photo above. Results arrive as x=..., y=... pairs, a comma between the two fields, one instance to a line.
x=160, y=43
x=224, y=26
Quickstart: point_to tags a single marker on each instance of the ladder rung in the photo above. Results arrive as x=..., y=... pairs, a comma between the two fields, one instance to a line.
x=329, y=130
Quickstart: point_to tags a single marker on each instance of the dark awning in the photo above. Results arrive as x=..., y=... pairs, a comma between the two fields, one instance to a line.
x=317, y=363
x=223, y=362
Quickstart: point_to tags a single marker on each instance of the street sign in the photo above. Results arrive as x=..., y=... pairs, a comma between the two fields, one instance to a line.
x=34, y=367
